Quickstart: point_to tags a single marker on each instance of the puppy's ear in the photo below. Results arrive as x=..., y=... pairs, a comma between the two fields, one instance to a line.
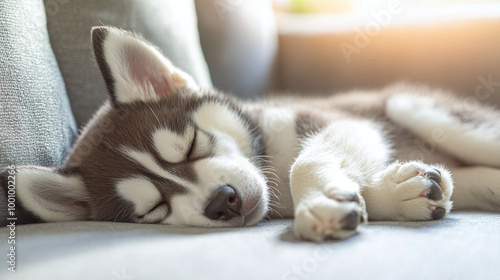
x=133, y=68
x=51, y=194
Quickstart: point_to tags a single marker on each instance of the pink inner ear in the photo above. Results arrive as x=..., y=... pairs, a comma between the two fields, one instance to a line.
x=146, y=70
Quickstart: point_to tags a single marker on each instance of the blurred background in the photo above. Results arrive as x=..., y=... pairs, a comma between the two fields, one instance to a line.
x=324, y=46
x=356, y=6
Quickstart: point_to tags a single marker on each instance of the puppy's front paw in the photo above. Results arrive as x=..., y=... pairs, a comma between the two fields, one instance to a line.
x=320, y=217
x=412, y=191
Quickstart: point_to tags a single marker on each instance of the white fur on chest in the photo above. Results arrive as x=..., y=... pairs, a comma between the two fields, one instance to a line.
x=278, y=125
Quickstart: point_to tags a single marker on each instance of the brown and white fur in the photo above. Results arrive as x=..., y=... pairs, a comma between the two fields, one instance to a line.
x=162, y=150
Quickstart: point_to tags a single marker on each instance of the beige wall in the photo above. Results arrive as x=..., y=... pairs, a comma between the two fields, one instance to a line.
x=454, y=54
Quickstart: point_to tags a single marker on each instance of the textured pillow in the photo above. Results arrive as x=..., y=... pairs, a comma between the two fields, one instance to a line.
x=36, y=123
x=37, y=126
x=169, y=24
x=240, y=42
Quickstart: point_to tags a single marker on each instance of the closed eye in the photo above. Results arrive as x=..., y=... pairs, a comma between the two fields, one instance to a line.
x=156, y=207
x=156, y=214
x=193, y=145
x=200, y=146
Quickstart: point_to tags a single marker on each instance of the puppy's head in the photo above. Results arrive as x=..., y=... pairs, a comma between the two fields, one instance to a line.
x=161, y=151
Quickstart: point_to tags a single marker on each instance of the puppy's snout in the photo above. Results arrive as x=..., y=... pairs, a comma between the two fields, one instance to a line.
x=224, y=205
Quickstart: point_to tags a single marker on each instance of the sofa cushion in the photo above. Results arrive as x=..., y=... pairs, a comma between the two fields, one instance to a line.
x=240, y=43
x=462, y=246
x=37, y=126
x=36, y=123
x=169, y=24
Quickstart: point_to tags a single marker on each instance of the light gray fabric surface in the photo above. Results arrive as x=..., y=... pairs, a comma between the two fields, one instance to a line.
x=463, y=246
x=169, y=24
x=240, y=43
x=36, y=124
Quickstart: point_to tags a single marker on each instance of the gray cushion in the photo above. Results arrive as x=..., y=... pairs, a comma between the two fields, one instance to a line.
x=170, y=24
x=36, y=123
x=463, y=246
x=240, y=43
x=37, y=126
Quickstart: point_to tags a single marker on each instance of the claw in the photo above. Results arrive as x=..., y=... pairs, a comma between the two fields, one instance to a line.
x=351, y=221
x=354, y=198
x=435, y=192
x=438, y=213
x=434, y=175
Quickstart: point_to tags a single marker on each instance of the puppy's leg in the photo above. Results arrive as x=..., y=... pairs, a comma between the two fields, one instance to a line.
x=327, y=176
x=467, y=131
x=470, y=132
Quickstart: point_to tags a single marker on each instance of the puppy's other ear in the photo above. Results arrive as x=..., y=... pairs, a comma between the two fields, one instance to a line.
x=133, y=68
x=52, y=195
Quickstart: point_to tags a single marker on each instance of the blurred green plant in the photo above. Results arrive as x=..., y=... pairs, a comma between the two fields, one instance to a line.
x=298, y=6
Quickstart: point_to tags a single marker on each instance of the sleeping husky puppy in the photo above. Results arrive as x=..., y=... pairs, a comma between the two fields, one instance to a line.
x=163, y=150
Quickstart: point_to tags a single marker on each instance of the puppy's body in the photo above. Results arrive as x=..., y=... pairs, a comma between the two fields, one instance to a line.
x=164, y=151
x=354, y=142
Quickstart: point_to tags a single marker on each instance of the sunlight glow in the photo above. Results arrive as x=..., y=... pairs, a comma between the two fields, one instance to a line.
x=358, y=6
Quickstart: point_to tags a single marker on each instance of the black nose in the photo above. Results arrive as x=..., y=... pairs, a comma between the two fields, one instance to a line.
x=224, y=205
